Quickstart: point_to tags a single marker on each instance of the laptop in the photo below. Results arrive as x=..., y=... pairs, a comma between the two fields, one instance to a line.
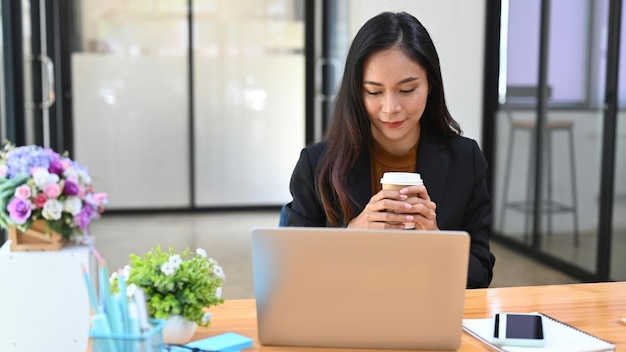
x=346, y=288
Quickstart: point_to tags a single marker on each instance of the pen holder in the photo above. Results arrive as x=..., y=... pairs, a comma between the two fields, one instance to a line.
x=149, y=341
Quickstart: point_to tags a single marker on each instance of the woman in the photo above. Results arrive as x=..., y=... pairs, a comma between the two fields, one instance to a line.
x=391, y=115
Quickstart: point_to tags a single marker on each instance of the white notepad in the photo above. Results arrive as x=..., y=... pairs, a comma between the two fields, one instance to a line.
x=559, y=337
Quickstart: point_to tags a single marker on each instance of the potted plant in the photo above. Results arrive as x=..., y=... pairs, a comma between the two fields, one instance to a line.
x=46, y=198
x=177, y=288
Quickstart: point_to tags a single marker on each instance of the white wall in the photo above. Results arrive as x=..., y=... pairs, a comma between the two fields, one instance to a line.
x=457, y=28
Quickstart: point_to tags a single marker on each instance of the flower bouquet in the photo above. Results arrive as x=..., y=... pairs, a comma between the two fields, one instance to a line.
x=176, y=286
x=45, y=191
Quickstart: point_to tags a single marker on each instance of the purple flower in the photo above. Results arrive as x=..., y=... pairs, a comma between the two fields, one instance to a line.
x=70, y=188
x=19, y=210
x=84, y=217
x=23, y=159
x=56, y=167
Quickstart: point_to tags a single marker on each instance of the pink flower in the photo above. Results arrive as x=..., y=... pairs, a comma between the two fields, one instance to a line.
x=40, y=200
x=34, y=169
x=52, y=190
x=100, y=199
x=3, y=170
x=23, y=192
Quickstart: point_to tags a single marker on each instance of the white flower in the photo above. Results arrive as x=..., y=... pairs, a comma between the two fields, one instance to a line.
x=126, y=271
x=218, y=271
x=201, y=252
x=72, y=205
x=113, y=278
x=70, y=175
x=84, y=177
x=53, y=178
x=52, y=209
x=130, y=290
x=206, y=317
x=175, y=260
x=168, y=269
x=218, y=292
x=41, y=178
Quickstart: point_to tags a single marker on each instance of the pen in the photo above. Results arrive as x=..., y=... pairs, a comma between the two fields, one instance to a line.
x=93, y=301
x=112, y=309
x=142, y=309
x=123, y=306
x=103, y=285
x=100, y=325
x=123, y=300
x=133, y=319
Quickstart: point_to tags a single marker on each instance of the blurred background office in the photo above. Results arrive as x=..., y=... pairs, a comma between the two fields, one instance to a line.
x=191, y=114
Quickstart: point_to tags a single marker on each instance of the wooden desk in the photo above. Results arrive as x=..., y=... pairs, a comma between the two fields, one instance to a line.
x=594, y=308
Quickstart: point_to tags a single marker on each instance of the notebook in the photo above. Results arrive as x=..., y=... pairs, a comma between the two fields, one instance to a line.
x=559, y=336
x=337, y=287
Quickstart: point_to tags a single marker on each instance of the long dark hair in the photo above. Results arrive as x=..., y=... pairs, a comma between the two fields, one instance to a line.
x=349, y=132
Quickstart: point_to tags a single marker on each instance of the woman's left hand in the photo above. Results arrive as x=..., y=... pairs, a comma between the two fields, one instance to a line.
x=423, y=208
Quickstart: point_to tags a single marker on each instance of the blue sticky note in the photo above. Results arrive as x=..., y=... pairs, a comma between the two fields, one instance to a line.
x=228, y=342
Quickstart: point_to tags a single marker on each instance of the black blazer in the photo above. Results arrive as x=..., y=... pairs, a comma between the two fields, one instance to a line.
x=454, y=173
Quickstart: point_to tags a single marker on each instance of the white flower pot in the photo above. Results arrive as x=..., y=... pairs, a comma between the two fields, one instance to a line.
x=178, y=330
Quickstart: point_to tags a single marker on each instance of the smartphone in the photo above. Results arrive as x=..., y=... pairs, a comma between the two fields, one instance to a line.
x=518, y=329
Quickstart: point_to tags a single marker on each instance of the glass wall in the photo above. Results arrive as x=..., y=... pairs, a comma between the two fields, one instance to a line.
x=249, y=115
x=130, y=103
x=160, y=128
x=565, y=125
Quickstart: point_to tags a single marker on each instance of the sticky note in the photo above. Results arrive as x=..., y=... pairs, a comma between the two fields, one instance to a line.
x=228, y=342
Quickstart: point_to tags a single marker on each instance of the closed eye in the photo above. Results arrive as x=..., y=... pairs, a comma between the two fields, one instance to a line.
x=372, y=93
x=407, y=90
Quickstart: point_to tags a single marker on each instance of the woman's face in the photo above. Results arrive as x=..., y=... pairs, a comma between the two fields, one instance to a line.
x=395, y=91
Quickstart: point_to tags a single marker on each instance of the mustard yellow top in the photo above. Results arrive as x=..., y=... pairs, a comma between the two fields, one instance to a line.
x=382, y=161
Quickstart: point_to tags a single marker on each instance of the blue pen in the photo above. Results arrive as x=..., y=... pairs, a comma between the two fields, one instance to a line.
x=101, y=332
x=112, y=307
x=123, y=304
x=103, y=285
x=93, y=301
x=123, y=300
x=133, y=319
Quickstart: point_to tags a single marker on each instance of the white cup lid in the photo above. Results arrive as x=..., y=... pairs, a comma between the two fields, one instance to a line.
x=401, y=178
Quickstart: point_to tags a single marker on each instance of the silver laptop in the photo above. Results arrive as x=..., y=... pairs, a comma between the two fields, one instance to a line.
x=336, y=287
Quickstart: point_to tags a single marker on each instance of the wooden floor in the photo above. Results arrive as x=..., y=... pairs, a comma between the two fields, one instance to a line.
x=225, y=237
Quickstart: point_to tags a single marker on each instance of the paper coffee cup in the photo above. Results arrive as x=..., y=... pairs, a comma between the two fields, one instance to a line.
x=397, y=181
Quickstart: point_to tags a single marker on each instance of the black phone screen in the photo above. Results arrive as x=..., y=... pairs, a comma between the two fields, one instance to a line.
x=524, y=326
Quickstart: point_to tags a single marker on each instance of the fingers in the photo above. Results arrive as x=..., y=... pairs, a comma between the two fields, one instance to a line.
x=427, y=217
x=389, y=218
x=380, y=220
x=389, y=209
x=420, y=191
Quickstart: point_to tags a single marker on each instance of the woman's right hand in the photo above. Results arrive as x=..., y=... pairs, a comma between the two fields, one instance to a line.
x=384, y=212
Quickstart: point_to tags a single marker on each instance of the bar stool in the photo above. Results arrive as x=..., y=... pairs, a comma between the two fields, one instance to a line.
x=549, y=206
